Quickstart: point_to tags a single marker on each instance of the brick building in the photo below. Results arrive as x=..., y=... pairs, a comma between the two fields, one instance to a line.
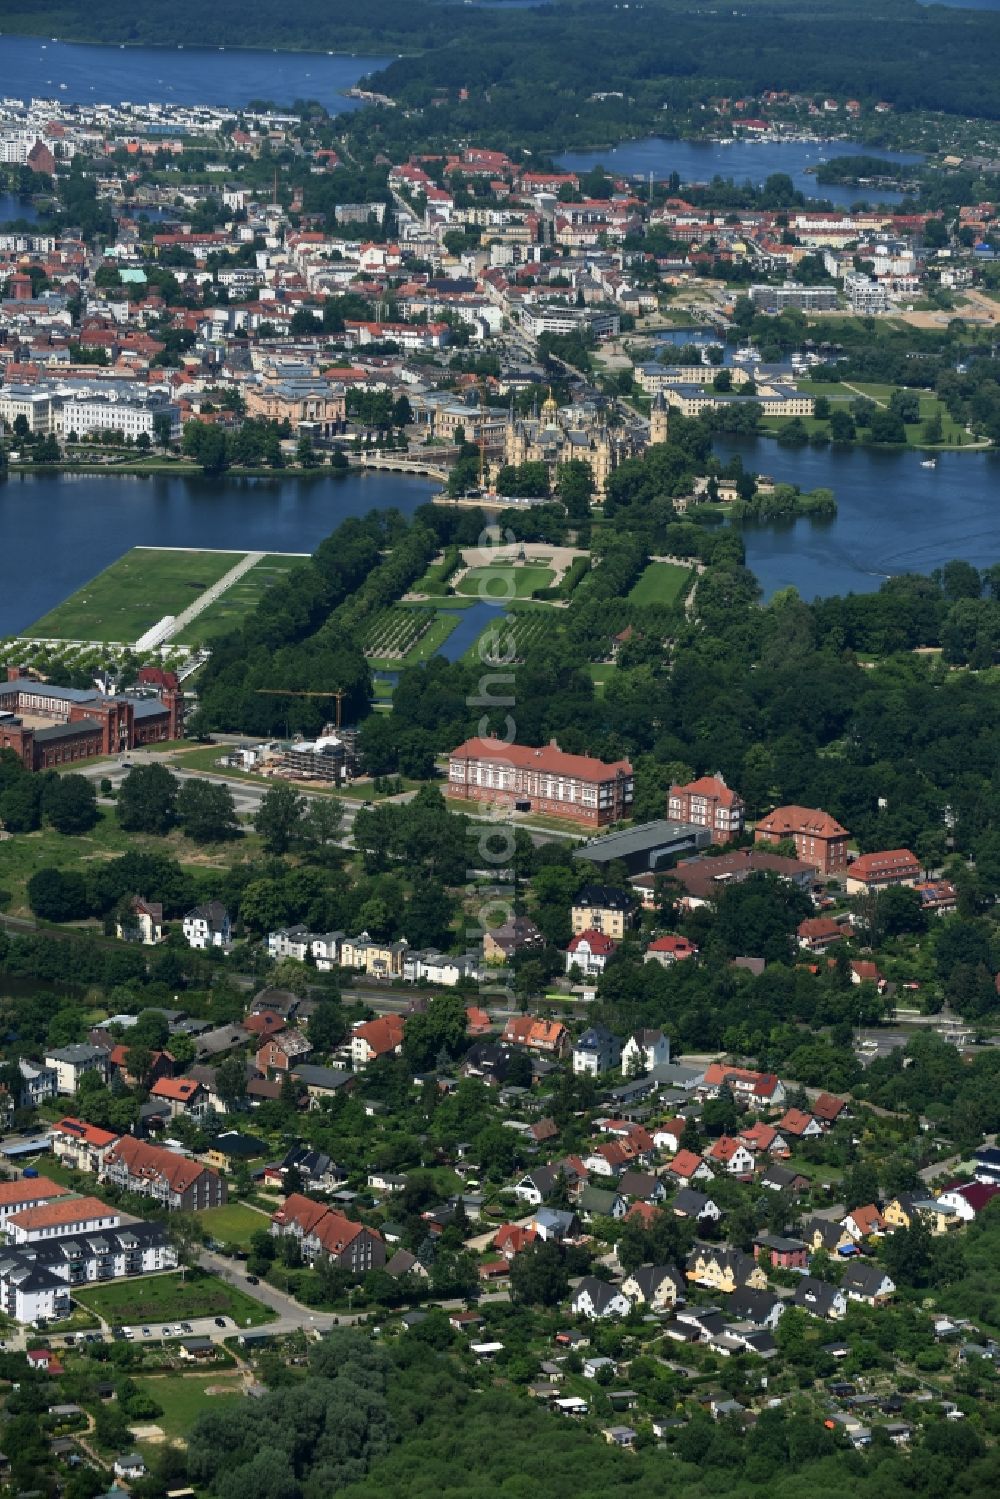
x=890, y=866
x=545, y=780
x=321, y=1230
x=174, y=1180
x=709, y=803
x=50, y=726
x=819, y=838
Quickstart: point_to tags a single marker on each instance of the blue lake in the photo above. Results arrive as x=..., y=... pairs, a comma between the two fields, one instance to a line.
x=700, y=161
x=227, y=77
x=64, y=529
x=892, y=515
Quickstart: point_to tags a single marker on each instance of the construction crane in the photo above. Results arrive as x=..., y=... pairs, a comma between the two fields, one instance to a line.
x=337, y=692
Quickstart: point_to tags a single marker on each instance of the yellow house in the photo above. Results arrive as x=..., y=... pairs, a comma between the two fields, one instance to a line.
x=725, y=1270
x=601, y=908
x=902, y=1210
x=370, y=955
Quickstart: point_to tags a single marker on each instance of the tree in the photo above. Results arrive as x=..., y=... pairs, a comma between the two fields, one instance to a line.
x=320, y=829
x=207, y=812
x=58, y=895
x=231, y=1080
x=278, y=817
x=21, y=804
x=575, y=487
x=69, y=803
x=147, y=800
x=538, y=1276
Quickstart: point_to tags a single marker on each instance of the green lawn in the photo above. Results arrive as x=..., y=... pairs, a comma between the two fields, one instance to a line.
x=233, y=1224
x=129, y=597
x=600, y=673
x=660, y=583
x=503, y=581
x=237, y=602
x=170, y=1298
x=183, y=1397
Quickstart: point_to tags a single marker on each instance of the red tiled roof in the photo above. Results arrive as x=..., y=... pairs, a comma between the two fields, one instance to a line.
x=890, y=861
x=710, y=786
x=177, y=1089
x=685, y=1163
x=56, y=1214
x=150, y=1161
x=77, y=1129
x=549, y=758
x=12, y=1193
x=382, y=1035
x=795, y=1122
x=596, y=941
x=784, y=822
x=828, y=1108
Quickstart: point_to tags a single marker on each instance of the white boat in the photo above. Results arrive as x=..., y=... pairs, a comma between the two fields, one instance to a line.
x=928, y=463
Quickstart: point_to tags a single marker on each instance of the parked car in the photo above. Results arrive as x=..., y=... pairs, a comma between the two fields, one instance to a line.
x=147, y=1332
x=253, y=1280
x=220, y=1321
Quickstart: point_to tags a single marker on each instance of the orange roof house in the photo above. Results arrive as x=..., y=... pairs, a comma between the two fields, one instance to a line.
x=819, y=838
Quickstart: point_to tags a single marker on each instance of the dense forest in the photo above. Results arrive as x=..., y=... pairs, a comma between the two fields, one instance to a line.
x=531, y=75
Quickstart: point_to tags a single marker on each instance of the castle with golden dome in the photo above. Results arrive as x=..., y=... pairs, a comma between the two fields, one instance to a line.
x=556, y=435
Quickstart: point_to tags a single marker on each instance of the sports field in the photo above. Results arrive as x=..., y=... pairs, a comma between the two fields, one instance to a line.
x=660, y=583
x=131, y=595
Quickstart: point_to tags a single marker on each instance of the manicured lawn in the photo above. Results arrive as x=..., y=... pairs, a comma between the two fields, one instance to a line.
x=233, y=1224
x=183, y=1397
x=169, y=1298
x=237, y=602
x=660, y=583
x=122, y=602
x=505, y=581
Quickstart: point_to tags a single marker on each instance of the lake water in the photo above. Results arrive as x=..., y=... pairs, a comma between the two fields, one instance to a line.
x=13, y=207
x=37, y=67
x=64, y=529
x=892, y=515
x=700, y=161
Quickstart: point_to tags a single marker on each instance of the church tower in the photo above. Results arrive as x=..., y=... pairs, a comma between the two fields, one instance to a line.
x=659, y=420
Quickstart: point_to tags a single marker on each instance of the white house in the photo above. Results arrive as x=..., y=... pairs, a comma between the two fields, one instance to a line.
x=440, y=968
x=69, y=1063
x=643, y=1051
x=596, y=1299
x=209, y=925
x=289, y=942
x=37, y=1083
x=325, y=949
x=589, y=952
x=667, y=1136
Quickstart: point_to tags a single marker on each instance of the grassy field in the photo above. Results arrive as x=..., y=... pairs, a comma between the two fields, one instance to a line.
x=129, y=597
x=660, y=583
x=503, y=581
x=233, y=1224
x=183, y=1397
x=22, y=856
x=169, y=1298
x=953, y=433
x=237, y=602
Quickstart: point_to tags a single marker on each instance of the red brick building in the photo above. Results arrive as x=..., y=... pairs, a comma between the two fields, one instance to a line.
x=48, y=726
x=709, y=803
x=819, y=838
x=545, y=780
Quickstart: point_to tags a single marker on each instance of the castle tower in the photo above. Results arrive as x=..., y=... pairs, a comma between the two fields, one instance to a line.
x=659, y=420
